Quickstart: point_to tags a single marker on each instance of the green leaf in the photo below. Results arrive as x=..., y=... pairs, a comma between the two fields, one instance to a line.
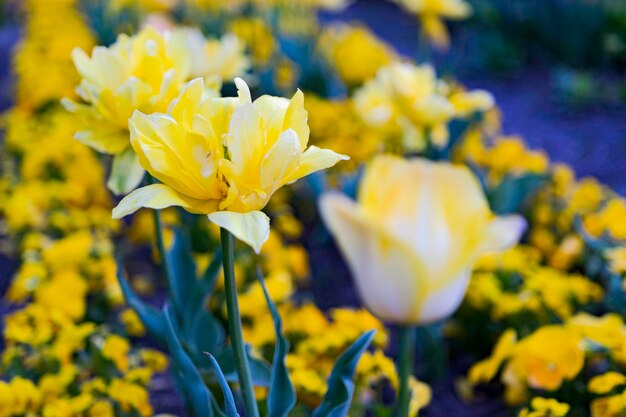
x=259, y=368
x=336, y=402
x=513, y=191
x=281, y=396
x=126, y=173
x=151, y=317
x=182, y=269
x=204, y=333
x=229, y=400
x=199, y=396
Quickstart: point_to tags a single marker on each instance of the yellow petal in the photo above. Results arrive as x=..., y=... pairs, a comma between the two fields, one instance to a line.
x=281, y=161
x=315, y=159
x=435, y=29
x=503, y=232
x=126, y=173
x=252, y=228
x=103, y=140
x=160, y=196
x=386, y=272
x=296, y=118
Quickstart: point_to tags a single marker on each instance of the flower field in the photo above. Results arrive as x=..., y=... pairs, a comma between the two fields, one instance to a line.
x=184, y=183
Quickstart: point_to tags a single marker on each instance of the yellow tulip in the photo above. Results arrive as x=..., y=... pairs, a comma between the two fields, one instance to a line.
x=413, y=235
x=224, y=157
x=144, y=72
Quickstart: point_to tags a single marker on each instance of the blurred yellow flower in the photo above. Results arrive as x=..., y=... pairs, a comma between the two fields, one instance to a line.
x=431, y=14
x=605, y=383
x=408, y=101
x=413, y=236
x=342, y=45
x=545, y=407
x=224, y=157
x=546, y=358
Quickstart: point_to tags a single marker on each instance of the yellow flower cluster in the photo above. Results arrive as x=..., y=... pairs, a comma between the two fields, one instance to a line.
x=336, y=123
x=59, y=359
x=342, y=45
x=554, y=354
x=39, y=50
x=409, y=104
x=514, y=283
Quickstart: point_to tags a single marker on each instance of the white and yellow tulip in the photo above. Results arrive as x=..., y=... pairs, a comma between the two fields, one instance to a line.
x=413, y=235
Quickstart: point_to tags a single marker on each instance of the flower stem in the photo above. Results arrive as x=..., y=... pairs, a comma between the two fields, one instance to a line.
x=406, y=363
x=158, y=232
x=234, y=325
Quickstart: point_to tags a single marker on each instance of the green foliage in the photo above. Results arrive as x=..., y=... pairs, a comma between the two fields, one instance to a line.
x=196, y=392
x=281, y=397
x=512, y=192
x=229, y=400
x=338, y=397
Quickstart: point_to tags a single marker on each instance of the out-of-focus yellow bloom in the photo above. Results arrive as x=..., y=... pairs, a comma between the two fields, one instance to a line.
x=545, y=407
x=18, y=397
x=431, y=14
x=132, y=322
x=130, y=396
x=412, y=238
x=611, y=406
x=39, y=50
x=257, y=36
x=611, y=219
x=342, y=45
x=224, y=157
x=116, y=349
x=144, y=5
x=543, y=360
x=154, y=360
x=336, y=123
x=421, y=395
x=409, y=102
x=486, y=370
x=605, y=383
x=608, y=331
x=217, y=60
x=101, y=408
x=617, y=259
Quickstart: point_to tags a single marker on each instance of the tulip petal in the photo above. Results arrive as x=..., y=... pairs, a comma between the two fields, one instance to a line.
x=503, y=232
x=126, y=173
x=315, y=159
x=281, y=160
x=388, y=275
x=159, y=196
x=252, y=227
x=443, y=302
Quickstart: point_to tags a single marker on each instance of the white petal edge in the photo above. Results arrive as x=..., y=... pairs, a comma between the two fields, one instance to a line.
x=503, y=233
x=126, y=173
x=252, y=228
x=155, y=196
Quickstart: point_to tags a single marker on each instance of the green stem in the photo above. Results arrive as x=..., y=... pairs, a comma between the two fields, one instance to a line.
x=406, y=363
x=234, y=325
x=158, y=232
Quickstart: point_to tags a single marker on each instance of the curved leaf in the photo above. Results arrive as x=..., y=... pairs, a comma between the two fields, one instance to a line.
x=259, y=368
x=151, y=317
x=340, y=390
x=229, y=400
x=198, y=395
x=281, y=396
